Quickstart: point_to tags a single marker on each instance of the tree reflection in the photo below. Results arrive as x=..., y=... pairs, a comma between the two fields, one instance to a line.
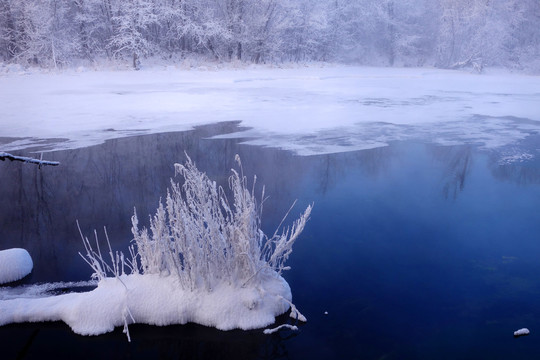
x=456, y=161
x=521, y=174
x=371, y=163
x=517, y=165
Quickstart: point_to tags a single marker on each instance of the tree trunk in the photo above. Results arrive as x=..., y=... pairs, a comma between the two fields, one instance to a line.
x=136, y=61
x=391, y=35
x=239, y=51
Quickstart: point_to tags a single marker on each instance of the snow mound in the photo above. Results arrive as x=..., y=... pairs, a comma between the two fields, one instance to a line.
x=15, y=264
x=154, y=300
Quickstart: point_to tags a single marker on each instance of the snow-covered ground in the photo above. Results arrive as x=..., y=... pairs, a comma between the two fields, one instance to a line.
x=311, y=110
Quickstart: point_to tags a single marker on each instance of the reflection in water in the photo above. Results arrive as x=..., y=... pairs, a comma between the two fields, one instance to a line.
x=329, y=169
x=401, y=271
x=190, y=341
x=519, y=164
x=523, y=174
x=456, y=161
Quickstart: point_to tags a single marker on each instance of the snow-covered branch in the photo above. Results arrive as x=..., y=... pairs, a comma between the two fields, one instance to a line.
x=5, y=156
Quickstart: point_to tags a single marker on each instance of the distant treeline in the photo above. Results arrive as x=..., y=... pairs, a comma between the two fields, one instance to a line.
x=442, y=33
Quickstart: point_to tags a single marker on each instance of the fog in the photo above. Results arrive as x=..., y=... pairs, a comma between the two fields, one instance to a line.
x=442, y=33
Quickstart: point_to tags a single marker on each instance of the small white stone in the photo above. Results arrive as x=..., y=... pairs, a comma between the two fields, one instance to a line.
x=521, y=332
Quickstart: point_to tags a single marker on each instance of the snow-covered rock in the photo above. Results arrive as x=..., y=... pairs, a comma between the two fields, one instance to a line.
x=15, y=264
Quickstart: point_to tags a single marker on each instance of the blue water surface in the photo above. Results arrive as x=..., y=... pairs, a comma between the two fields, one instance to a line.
x=413, y=251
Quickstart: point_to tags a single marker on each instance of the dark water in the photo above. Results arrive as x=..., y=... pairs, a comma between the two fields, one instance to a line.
x=416, y=251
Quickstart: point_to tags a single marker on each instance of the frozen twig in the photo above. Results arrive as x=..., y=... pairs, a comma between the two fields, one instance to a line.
x=287, y=326
x=295, y=314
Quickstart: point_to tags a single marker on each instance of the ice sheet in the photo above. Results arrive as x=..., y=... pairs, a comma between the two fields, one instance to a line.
x=310, y=110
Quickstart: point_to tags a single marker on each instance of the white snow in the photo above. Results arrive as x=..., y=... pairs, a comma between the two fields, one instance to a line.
x=155, y=300
x=521, y=332
x=310, y=110
x=14, y=264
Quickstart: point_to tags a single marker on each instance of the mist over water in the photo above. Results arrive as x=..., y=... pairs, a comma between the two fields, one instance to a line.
x=414, y=250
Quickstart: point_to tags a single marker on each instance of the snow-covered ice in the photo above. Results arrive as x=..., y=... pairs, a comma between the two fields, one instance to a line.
x=15, y=264
x=310, y=110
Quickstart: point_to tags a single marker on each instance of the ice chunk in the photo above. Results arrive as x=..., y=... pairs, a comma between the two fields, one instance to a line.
x=521, y=332
x=15, y=264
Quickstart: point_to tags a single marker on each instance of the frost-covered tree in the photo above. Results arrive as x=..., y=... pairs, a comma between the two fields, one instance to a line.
x=8, y=31
x=42, y=32
x=234, y=12
x=305, y=33
x=478, y=32
x=527, y=36
x=409, y=30
x=131, y=26
x=263, y=40
x=444, y=33
x=94, y=26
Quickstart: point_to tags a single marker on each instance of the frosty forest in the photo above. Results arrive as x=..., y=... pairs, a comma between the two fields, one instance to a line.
x=441, y=33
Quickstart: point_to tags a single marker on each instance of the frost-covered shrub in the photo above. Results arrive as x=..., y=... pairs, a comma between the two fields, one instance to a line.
x=202, y=239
